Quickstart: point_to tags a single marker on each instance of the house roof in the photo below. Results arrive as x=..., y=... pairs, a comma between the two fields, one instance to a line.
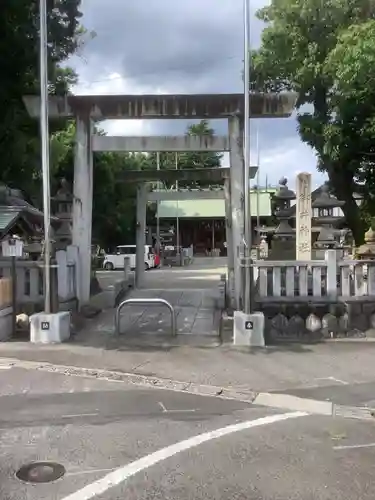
x=7, y=217
x=211, y=209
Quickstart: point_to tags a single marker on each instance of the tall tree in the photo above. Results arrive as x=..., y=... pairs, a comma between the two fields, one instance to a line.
x=352, y=66
x=19, y=63
x=296, y=45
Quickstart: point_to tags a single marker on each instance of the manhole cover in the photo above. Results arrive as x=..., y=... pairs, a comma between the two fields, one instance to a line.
x=40, y=472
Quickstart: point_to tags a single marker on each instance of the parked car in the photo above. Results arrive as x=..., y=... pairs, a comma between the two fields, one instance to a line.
x=116, y=260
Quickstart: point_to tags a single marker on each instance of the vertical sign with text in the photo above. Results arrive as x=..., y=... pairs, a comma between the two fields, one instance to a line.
x=303, y=217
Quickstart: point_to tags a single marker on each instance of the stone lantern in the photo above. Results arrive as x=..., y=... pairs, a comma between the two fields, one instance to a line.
x=324, y=216
x=283, y=245
x=367, y=250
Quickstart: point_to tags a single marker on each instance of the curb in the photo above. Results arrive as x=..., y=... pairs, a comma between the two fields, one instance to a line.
x=264, y=399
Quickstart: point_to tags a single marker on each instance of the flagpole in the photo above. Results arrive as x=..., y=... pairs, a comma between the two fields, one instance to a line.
x=246, y=150
x=44, y=130
x=177, y=217
x=157, y=206
x=258, y=194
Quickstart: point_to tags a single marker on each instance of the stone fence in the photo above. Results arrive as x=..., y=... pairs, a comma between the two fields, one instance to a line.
x=304, y=300
x=30, y=285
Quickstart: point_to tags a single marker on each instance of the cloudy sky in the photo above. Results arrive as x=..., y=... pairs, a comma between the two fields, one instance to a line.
x=181, y=46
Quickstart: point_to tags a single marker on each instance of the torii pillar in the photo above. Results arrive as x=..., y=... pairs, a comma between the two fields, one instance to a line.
x=235, y=125
x=82, y=205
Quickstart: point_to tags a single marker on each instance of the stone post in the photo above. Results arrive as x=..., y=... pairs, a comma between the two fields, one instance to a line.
x=229, y=240
x=235, y=125
x=303, y=216
x=141, y=234
x=82, y=205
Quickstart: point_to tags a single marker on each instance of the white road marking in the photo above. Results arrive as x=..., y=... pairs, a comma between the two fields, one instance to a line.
x=80, y=415
x=334, y=379
x=165, y=410
x=91, y=471
x=162, y=406
x=354, y=446
x=120, y=475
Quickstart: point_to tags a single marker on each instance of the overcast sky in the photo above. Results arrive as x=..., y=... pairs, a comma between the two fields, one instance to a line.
x=181, y=46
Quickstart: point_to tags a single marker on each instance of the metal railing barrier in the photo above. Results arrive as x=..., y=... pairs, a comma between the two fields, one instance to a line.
x=145, y=302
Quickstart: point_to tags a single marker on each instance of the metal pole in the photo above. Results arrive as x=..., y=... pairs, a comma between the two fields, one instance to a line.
x=258, y=193
x=177, y=217
x=14, y=295
x=44, y=130
x=157, y=205
x=246, y=149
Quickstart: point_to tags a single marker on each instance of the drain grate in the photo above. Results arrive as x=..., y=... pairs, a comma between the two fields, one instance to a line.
x=40, y=472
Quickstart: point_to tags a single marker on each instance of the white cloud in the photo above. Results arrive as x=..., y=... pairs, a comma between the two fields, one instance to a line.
x=288, y=159
x=162, y=47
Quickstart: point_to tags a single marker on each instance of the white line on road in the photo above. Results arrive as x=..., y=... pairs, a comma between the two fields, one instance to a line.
x=354, y=446
x=90, y=471
x=162, y=406
x=80, y=415
x=165, y=410
x=334, y=379
x=120, y=475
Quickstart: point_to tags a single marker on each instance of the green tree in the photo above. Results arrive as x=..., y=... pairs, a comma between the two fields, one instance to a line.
x=297, y=42
x=352, y=66
x=19, y=63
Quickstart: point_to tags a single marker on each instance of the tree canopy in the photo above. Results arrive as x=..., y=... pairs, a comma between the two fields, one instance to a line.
x=19, y=63
x=302, y=49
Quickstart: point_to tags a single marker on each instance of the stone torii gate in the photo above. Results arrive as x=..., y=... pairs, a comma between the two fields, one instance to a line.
x=86, y=109
x=214, y=175
x=176, y=144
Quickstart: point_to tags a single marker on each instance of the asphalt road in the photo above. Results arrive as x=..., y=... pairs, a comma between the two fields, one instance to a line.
x=116, y=441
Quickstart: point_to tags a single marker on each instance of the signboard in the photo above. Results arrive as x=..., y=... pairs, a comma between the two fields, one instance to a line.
x=12, y=247
x=45, y=325
x=249, y=325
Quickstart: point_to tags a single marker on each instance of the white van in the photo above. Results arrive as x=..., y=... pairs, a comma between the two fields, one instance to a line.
x=116, y=260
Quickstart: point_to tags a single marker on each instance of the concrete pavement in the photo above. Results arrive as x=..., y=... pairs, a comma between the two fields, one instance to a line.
x=276, y=369
x=192, y=291
x=119, y=441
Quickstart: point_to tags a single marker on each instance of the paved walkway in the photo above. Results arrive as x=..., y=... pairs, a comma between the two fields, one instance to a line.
x=195, y=311
x=193, y=293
